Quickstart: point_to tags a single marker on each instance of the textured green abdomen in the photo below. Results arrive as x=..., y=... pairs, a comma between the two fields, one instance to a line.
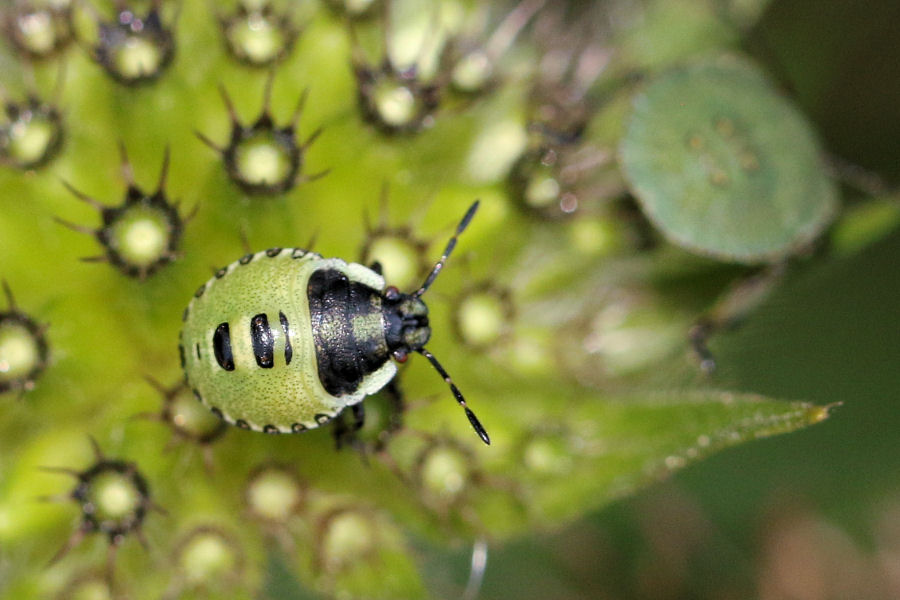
x=259, y=371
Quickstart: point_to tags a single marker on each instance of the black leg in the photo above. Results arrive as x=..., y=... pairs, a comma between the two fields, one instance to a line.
x=395, y=422
x=345, y=433
x=339, y=430
x=359, y=417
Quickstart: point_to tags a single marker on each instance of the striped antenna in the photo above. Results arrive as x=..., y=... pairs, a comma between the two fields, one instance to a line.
x=450, y=246
x=476, y=424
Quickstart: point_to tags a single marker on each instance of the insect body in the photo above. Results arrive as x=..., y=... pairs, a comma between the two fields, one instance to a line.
x=283, y=340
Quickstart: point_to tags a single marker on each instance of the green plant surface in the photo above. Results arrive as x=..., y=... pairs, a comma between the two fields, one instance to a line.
x=581, y=370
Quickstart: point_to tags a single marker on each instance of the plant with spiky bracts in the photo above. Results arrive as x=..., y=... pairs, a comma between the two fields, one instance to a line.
x=140, y=235
x=620, y=228
x=263, y=158
x=24, y=352
x=114, y=499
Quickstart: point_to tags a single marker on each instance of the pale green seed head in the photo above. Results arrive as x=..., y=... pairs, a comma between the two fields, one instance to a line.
x=531, y=352
x=30, y=140
x=113, y=496
x=19, y=352
x=542, y=191
x=499, y=143
x=206, y=557
x=261, y=161
x=445, y=473
x=274, y=495
x=191, y=418
x=472, y=72
x=140, y=235
x=395, y=103
x=137, y=58
x=256, y=38
x=349, y=537
x=36, y=31
x=547, y=455
x=481, y=318
x=399, y=258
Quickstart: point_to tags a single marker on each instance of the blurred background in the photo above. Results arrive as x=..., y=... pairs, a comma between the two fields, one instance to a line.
x=811, y=515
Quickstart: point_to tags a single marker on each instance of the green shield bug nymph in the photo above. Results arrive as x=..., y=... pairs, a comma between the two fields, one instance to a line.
x=283, y=340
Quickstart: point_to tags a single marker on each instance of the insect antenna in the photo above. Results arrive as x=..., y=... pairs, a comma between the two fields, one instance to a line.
x=476, y=424
x=450, y=246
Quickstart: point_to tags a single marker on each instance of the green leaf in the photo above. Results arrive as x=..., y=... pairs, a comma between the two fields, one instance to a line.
x=566, y=451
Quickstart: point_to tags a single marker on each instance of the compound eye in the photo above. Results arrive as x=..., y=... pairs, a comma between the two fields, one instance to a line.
x=400, y=354
x=391, y=292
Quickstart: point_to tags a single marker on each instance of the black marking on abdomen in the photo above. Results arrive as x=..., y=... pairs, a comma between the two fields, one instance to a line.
x=200, y=291
x=197, y=350
x=344, y=356
x=222, y=347
x=273, y=252
x=271, y=429
x=245, y=259
x=285, y=327
x=263, y=341
x=298, y=427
